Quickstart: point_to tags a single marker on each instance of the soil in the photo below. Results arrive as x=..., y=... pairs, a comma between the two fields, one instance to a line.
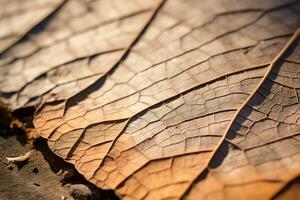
x=44, y=175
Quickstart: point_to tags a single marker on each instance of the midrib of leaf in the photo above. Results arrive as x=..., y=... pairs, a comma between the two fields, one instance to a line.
x=291, y=41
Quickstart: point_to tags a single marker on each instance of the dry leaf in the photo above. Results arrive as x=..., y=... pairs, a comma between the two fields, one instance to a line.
x=166, y=99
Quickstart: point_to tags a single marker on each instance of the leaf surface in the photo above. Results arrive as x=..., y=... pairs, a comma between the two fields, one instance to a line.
x=167, y=99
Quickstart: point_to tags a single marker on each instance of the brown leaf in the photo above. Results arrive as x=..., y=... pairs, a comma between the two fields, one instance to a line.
x=20, y=17
x=171, y=99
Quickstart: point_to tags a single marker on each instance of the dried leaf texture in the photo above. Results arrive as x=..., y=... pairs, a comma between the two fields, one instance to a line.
x=260, y=147
x=166, y=99
x=18, y=17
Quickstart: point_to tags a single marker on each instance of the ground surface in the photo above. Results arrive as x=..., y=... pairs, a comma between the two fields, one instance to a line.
x=36, y=179
x=20, y=182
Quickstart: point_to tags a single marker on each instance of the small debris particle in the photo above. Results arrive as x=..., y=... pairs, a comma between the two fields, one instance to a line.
x=66, y=173
x=31, y=135
x=36, y=184
x=10, y=167
x=80, y=192
x=35, y=170
x=21, y=158
x=59, y=172
x=68, y=185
